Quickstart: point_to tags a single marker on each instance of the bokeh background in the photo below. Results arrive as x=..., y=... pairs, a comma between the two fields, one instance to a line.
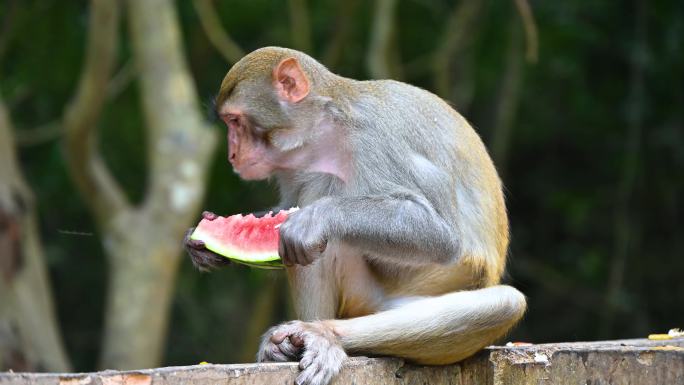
x=107, y=156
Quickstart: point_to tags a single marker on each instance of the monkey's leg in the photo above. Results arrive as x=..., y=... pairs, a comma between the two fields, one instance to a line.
x=434, y=330
x=318, y=290
x=314, y=290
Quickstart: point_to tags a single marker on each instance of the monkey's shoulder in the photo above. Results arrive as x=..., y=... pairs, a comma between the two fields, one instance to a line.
x=396, y=101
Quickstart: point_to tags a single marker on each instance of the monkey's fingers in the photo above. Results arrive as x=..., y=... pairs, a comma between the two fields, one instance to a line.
x=291, y=252
x=312, y=253
x=187, y=235
x=289, y=350
x=284, y=252
x=278, y=337
x=269, y=352
x=208, y=215
x=190, y=243
x=196, y=244
x=261, y=213
x=277, y=346
x=321, y=361
x=297, y=340
x=301, y=254
x=287, y=331
x=281, y=253
x=201, y=257
x=206, y=260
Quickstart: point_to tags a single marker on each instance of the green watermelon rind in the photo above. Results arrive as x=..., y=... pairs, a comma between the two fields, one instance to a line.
x=262, y=260
x=275, y=265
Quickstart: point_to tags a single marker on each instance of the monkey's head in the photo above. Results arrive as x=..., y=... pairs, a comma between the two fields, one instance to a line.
x=271, y=100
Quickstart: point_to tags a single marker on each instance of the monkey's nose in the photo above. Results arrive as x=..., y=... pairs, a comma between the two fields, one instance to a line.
x=233, y=145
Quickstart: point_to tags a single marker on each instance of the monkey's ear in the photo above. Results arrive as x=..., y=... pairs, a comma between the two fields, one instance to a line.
x=290, y=81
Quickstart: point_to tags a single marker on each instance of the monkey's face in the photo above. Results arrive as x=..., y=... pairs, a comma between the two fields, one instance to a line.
x=268, y=118
x=256, y=125
x=249, y=150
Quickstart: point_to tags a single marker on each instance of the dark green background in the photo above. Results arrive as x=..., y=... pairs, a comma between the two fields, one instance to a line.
x=596, y=157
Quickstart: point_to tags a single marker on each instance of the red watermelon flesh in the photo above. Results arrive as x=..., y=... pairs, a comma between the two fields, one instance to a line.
x=244, y=238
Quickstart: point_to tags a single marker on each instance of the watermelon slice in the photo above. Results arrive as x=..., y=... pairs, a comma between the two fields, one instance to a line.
x=245, y=239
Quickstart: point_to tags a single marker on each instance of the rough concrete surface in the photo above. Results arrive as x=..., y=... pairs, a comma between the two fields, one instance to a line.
x=638, y=362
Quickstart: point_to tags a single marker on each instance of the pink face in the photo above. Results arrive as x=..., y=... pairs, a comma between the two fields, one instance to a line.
x=248, y=151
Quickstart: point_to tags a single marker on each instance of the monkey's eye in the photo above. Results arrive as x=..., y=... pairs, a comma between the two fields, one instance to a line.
x=233, y=122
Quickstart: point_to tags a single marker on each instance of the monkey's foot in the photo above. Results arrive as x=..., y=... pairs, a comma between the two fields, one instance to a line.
x=320, y=351
x=323, y=355
x=278, y=344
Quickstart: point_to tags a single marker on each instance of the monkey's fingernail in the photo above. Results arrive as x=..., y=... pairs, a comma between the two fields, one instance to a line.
x=297, y=341
x=209, y=215
x=196, y=243
x=277, y=338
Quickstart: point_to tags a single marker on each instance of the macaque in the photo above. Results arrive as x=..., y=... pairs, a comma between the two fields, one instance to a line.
x=402, y=233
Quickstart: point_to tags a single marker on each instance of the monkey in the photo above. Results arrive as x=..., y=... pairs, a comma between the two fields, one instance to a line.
x=402, y=233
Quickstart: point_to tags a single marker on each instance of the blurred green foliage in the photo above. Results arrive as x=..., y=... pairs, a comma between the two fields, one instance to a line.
x=574, y=181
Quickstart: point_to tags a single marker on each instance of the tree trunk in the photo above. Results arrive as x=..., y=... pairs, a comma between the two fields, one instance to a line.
x=144, y=259
x=25, y=295
x=145, y=243
x=508, y=100
x=142, y=243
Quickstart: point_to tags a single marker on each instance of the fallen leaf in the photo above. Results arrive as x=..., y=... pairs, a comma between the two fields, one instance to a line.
x=659, y=337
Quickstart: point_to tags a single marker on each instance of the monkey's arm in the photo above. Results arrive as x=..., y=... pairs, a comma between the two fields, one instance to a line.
x=402, y=225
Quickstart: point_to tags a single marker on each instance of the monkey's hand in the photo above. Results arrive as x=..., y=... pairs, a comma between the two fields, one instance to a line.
x=203, y=258
x=315, y=345
x=303, y=236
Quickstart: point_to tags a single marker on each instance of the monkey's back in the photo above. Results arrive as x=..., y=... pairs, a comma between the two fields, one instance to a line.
x=421, y=142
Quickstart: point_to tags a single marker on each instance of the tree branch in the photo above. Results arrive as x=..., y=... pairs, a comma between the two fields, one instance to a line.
x=380, y=49
x=53, y=130
x=144, y=243
x=508, y=100
x=38, y=135
x=300, y=25
x=530, y=26
x=86, y=165
x=26, y=299
x=6, y=30
x=218, y=36
x=343, y=27
x=183, y=142
x=457, y=34
x=625, y=224
x=9, y=167
x=121, y=80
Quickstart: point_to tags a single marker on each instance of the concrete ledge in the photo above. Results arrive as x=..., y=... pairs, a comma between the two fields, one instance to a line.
x=639, y=361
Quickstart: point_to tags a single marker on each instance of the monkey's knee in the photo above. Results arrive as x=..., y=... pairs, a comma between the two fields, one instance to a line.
x=508, y=305
x=516, y=304
x=488, y=314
